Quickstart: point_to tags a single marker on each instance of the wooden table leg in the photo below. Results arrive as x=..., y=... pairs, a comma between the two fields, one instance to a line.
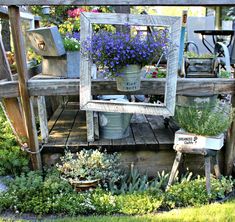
x=207, y=173
x=174, y=168
x=215, y=162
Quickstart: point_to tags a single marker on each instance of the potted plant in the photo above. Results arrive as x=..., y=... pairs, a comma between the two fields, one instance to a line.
x=87, y=168
x=203, y=127
x=72, y=48
x=123, y=54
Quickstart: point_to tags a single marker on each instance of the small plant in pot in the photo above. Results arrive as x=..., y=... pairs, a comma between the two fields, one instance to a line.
x=123, y=54
x=203, y=127
x=88, y=168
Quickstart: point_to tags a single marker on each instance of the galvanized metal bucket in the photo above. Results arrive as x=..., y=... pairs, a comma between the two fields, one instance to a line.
x=129, y=78
x=114, y=125
x=197, y=101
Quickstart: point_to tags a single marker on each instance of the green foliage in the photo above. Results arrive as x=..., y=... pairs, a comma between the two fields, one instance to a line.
x=204, y=120
x=71, y=44
x=224, y=74
x=42, y=194
x=138, y=203
x=134, y=182
x=193, y=193
x=12, y=160
x=90, y=165
x=196, y=56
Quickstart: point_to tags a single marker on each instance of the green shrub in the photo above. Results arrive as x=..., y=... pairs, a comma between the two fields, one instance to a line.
x=12, y=160
x=90, y=165
x=204, y=121
x=138, y=203
x=193, y=193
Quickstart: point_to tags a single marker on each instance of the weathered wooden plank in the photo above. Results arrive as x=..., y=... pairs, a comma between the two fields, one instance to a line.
x=56, y=87
x=9, y=89
x=60, y=132
x=163, y=135
x=121, y=2
x=54, y=118
x=174, y=168
x=107, y=87
x=11, y=106
x=20, y=56
x=42, y=113
x=78, y=134
x=131, y=19
x=143, y=133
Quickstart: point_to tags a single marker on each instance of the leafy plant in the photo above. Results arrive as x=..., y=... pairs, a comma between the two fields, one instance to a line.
x=204, y=120
x=224, y=74
x=71, y=44
x=12, y=160
x=191, y=54
x=138, y=203
x=115, y=50
x=193, y=192
x=90, y=165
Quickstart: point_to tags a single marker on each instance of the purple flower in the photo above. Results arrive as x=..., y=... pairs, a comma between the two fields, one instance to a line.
x=115, y=50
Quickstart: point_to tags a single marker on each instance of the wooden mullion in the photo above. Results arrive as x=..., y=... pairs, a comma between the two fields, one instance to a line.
x=20, y=56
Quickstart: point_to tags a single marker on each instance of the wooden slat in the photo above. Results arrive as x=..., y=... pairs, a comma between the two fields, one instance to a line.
x=163, y=135
x=54, y=118
x=60, y=132
x=27, y=108
x=143, y=133
x=11, y=106
x=78, y=134
x=121, y=2
x=153, y=86
x=42, y=114
x=9, y=89
x=108, y=87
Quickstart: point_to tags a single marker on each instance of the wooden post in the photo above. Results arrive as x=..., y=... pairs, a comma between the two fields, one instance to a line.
x=230, y=146
x=207, y=173
x=11, y=106
x=20, y=56
x=43, y=118
x=174, y=169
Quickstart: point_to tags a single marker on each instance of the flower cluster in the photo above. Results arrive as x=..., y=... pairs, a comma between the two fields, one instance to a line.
x=115, y=50
x=70, y=26
x=73, y=13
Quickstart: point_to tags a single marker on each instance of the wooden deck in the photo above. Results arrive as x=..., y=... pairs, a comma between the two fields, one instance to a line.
x=67, y=129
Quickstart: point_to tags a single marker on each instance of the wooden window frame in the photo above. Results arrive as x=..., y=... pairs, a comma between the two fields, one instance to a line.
x=86, y=101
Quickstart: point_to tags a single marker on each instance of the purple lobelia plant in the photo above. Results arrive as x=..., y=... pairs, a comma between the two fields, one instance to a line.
x=116, y=50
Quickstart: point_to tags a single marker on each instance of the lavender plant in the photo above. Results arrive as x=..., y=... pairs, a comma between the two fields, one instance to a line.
x=115, y=50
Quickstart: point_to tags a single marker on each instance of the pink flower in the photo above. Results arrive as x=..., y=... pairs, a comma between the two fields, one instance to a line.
x=95, y=10
x=75, y=12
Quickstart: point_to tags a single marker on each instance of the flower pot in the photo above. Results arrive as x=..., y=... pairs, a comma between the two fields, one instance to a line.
x=84, y=184
x=193, y=141
x=129, y=78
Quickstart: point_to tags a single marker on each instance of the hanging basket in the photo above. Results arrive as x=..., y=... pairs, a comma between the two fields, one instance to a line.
x=129, y=78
